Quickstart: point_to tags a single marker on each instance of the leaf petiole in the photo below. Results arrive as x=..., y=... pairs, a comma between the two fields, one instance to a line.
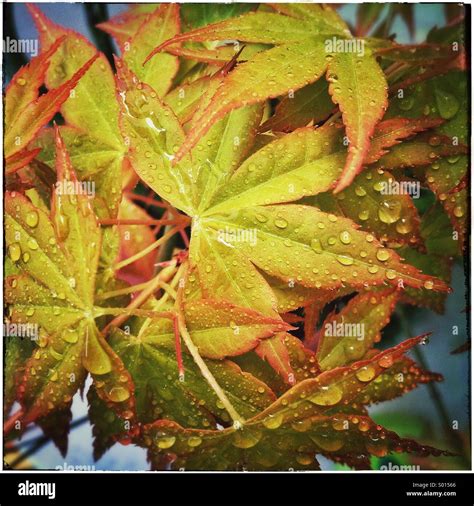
x=193, y=350
x=145, y=251
x=131, y=310
x=164, y=298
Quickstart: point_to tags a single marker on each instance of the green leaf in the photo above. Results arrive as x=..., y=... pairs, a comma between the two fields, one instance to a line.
x=97, y=165
x=291, y=296
x=378, y=203
x=247, y=84
x=326, y=18
x=192, y=402
x=330, y=391
x=27, y=112
x=434, y=265
x=290, y=67
x=358, y=86
x=48, y=266
x=161, y=25
x=93, y=106
x=92, y=109
x=397, y=380
x=194, y=53
x=444, y=97
x=290, y=432
x=197, y=15
x=261, y=27
x=438, y=233
x=230, y=275
x=273, y=447
x=58, y=260
x=56, y=427
x=223, y=148
x=346, y=336
x=309, y=246
x=392, y=131
x=454, y=32
x=107, y=427
x=277, y=230
x=219, y=329
x=309, y=104
x=185, y=99
x=24, y=86
x=153, y=135
x=125, y=25
x=421, y=151
x=284, y=170
x=76, y=227
x=440, y=178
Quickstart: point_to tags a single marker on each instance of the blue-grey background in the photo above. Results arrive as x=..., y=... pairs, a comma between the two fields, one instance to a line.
x=414, y=414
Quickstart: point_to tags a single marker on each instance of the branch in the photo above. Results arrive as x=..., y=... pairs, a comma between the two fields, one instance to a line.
x=238, y=420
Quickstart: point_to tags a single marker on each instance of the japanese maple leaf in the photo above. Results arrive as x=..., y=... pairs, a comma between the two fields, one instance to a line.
x=308, y=419
x=150, y=357
x=56, y=257
x=126, y=24
x=219, y=330
x=370, y=312
x=437, y=260
x=369, y=201
x=162, y=24
x=242, y=222
x=444, y=150
x=91, y=132
x=302, y=37
x=26, y=111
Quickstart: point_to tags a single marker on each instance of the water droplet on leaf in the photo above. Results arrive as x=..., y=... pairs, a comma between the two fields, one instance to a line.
x=327, y=396
x=365, y=374
x=281, y=223
x=448, y=105
x=32, y=219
